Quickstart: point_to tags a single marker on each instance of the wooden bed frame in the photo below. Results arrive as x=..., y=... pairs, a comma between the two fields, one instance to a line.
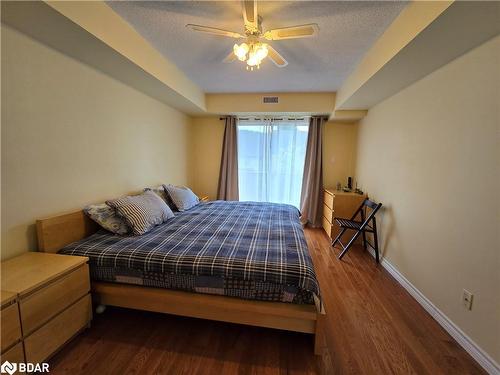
x=58, y=231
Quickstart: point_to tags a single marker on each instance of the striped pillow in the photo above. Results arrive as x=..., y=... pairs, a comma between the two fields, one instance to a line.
x=142, y=212
x=183, y=197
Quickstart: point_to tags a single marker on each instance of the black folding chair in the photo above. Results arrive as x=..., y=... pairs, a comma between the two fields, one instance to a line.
x=361, y=227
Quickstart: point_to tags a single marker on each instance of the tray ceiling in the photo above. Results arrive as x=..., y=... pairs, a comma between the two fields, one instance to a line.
x=347, y=31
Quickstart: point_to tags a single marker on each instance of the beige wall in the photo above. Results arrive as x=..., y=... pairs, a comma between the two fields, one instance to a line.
x=431, y=153
x=72, y=135
x=206, y=138
x=339, y=153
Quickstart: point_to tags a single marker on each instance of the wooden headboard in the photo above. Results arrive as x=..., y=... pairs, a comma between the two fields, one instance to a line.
x=58, y=231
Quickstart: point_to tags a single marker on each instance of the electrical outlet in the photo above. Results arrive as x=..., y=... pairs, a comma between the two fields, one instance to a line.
x=467, y=299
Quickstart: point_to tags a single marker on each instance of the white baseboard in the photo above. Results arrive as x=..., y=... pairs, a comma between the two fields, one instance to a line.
x=486, y=362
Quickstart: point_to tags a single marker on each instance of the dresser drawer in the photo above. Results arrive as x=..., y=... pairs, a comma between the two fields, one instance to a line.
x=50, y=337
x=43, y=304
x=327, y=227
x=11, y=326
x=328, y=199
x=328, y=213
x=14, y=354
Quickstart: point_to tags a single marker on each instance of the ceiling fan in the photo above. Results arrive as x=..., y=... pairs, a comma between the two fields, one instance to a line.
x=252, y=49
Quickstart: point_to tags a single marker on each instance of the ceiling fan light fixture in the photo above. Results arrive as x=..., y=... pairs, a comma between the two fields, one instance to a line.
x=241, y=51
x=253, y=53
x=252, y=50
x=261, y=51
x=253, y=60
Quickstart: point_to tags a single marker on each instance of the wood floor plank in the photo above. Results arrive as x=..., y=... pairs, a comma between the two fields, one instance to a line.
x=373, y=326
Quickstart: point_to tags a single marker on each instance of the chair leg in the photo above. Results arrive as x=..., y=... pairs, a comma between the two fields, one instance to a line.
x=364, y=241
x=338, y=236
x=375, y=239
x=349, y=244
x=364, y=233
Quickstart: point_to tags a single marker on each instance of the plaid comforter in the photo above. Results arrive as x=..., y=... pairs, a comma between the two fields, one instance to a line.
x=241, y=243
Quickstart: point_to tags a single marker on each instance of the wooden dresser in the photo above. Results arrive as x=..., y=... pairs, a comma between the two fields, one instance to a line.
x=12, y=346
x=51, y=303
x=339, y=204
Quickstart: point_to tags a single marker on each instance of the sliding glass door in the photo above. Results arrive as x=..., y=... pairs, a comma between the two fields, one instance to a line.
x=271, y=154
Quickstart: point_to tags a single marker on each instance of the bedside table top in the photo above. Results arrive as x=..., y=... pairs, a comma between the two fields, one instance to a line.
x=334, y=191
x=7, y=297
x=26, y=272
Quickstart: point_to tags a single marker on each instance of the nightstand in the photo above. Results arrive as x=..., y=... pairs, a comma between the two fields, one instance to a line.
x=53, y=298
x=339, y=204
x=12, y=347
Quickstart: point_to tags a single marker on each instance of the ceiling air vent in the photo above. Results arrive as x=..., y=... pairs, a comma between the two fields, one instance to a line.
x=270, y=99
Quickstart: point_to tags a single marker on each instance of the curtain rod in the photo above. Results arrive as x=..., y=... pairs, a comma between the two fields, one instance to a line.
x=273, y=118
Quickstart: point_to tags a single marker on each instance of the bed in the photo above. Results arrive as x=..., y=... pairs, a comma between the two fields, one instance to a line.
x=199, y=261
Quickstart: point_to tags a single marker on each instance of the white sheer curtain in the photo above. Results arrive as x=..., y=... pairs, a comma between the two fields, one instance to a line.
x=271, y=154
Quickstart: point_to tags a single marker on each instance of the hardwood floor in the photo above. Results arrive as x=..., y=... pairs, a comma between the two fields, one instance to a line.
x=373, y=327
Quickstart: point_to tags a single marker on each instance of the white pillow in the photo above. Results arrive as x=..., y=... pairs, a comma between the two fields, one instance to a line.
x=107, y=218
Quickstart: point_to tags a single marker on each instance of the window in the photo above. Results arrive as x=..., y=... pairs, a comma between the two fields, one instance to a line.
x=271, y=155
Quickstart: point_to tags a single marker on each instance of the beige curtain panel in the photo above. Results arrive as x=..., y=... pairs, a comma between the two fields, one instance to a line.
x=228, y=176
x=311, y=198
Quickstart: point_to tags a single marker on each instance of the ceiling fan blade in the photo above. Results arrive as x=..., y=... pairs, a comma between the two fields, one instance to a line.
x=230, y=58
x=276, y=58
x=293, y=32
x=250, y=16
x=214, y=31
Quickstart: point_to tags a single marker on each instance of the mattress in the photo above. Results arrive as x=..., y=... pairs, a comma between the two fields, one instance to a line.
x=248, y=250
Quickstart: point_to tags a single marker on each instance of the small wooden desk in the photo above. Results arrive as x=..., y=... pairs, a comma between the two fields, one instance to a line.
x=339, y=204
x=12, y=347
x=52, y=300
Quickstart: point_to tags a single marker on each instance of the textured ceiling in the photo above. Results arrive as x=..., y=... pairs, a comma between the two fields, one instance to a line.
x=347, y=31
